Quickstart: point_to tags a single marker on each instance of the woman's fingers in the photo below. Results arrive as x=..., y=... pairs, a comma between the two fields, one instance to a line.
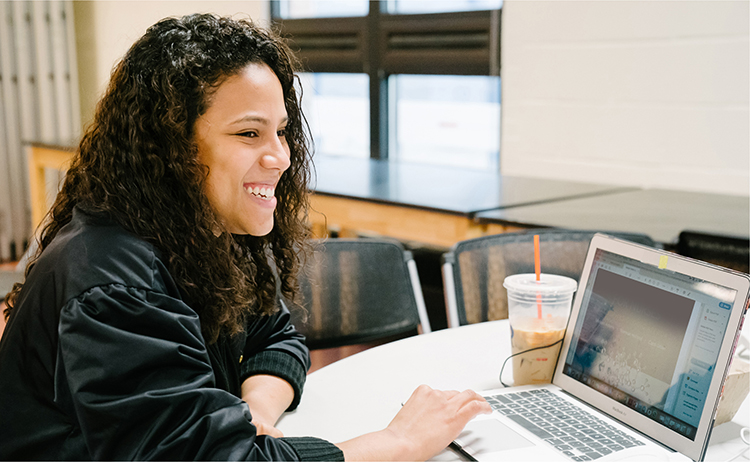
x=467, y=403
x=470, y=404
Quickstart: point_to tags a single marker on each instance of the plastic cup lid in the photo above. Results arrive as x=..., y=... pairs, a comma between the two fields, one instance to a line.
x=549, y=284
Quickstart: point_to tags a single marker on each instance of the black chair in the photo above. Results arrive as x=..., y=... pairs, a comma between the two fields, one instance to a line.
x=359, y=291
x=474, y=270
x=727, y=251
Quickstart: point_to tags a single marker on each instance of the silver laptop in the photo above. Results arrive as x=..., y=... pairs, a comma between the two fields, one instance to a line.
x=641, y=369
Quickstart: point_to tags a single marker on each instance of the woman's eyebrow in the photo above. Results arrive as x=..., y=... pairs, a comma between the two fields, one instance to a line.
x=257, y=119
x=251, y=118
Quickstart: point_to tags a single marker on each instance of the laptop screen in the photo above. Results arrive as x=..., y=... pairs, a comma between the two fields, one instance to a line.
x=649, y=338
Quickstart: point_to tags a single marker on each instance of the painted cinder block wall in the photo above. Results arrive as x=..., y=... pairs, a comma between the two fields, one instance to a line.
x=638, y=93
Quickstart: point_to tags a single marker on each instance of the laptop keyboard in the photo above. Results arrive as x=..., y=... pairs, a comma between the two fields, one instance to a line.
x=569, y=429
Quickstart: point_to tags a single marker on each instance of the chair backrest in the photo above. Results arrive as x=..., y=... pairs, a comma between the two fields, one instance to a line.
x=358, y=291
x=727, y=251
x=474, y=270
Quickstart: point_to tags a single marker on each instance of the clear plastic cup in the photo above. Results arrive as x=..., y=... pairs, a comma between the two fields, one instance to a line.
x=538, y=312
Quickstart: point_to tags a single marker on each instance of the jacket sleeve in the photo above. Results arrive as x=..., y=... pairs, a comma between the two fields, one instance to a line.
x=133, y=370
x=275, y=347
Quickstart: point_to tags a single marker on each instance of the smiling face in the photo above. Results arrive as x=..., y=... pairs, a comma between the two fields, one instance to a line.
x=241, y=139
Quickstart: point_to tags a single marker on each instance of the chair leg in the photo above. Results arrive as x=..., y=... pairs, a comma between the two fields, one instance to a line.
x=424, y=320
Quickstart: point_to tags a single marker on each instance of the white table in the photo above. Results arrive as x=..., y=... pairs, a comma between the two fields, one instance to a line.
x=362, y=393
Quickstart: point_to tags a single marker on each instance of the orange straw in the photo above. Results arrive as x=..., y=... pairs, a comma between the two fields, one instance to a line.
x=538, y=271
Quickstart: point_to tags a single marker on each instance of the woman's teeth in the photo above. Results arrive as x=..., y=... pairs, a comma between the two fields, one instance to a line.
x=265, y=193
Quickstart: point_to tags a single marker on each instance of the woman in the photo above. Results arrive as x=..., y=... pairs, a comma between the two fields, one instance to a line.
x=149, y=325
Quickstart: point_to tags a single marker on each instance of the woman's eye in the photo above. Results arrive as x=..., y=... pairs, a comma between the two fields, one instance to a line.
x=281, y=132
x=248, y=134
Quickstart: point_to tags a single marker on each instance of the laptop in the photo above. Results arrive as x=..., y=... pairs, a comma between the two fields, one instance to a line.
x=640, y=371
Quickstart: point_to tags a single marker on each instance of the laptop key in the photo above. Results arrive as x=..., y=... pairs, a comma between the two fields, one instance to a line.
x=502, y=399
x=593, y=455
x=520, y=420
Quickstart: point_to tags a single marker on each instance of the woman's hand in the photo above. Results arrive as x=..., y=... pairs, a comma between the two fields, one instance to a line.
x=428, y=422
x=431, y=419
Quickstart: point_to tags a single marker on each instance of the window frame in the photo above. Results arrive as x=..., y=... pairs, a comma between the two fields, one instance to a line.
x=382, y=44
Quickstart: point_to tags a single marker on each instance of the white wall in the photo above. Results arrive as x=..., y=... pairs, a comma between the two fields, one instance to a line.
x=105, y=29
x=641, y=93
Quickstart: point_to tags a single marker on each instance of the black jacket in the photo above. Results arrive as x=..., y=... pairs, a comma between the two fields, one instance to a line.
x=103, y=359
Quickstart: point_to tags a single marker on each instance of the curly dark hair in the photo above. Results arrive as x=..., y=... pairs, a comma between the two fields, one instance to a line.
x=137, y=163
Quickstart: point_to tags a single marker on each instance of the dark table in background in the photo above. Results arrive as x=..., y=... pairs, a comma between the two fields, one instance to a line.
x=662, y=214
x=430, y=204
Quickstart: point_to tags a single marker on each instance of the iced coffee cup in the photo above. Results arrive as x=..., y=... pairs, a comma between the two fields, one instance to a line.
x=538, y=312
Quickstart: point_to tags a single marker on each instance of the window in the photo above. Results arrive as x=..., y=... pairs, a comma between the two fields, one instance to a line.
x=296, y=9
x=446, y=120
x=337, y=108
x=399, y=80
x=441, y=6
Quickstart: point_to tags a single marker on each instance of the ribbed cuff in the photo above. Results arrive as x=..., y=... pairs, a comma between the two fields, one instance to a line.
x=279, y=364
x=308, y=448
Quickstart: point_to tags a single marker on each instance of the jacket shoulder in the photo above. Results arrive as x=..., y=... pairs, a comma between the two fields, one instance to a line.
x=90, y=252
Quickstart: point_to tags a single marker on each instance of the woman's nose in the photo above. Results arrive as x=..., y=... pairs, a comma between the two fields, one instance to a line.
x=277, y=155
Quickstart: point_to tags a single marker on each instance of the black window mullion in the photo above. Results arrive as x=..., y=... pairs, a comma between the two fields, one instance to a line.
x=378, y=83
x=275, y=7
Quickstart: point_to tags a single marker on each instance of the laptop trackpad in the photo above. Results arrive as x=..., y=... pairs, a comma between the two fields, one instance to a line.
x=489, y=435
